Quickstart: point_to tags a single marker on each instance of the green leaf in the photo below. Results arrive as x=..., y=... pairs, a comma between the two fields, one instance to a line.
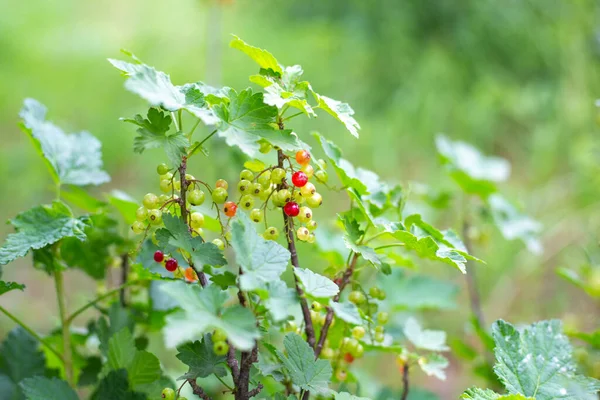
x=115, y=386
x=247, y=119
x=514, y=225
x=262, y=261
x=6, y=287
x=142, y=367
x=80, y=197
x=262, y=57
x=201, y=359
x=255, y=165
x=303, y=369
x=42, y=388
x=203, y=311
x=537, y=362
x=283, y=302
x=224, y=280
x=424, y=339
x=481, y=394
x=74, y=159
x=340, y=111
x=93, y=255
x=434, y=365
x=471, y=170
x=39, y=227
x=156, y=88
x=20, y=356
x=153, y=132
x=346, y=311
x=348, y=396
x=9, y=389
x=125, y=204
x=316, y=285
x=177, y=235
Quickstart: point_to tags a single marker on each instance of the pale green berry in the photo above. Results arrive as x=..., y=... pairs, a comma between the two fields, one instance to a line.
x=197, y=232
x=265, y=179
x=244, y=186
x=219, y=195
x=283, y=196
x=277, y=175
x=315, y=200
x=327, y=353
x=311, y=225
x=305, y=215
x=155, y=217
x=150, y=201
x=321, y=176
x=380, y=328
x=358, y=351
x=162, y=169
x=197, y=220
x=219, y=243
x=228, y=235
x=315, y=305
x=256, y=215
x=189, y=177
x=271, y=233
x=308, y=190
x=256, y=189
x=356, y=297
x=322, y=163
x=358, y=332
x=374, y=292
x=166, y=186
x=177, y=184
x=163, y=198
x=141, y=214
x=138, y=227
x=168, y=393
x=246, y=174
x=196, y=197
x=308, y=170
x=265, y=194
x=219, y=335
x=220, y=348
x=247, y=202
x=168, y=176
x=302, y=233
x=311, y=238
x=383, y=317
x=265, y=147
x=379, y=337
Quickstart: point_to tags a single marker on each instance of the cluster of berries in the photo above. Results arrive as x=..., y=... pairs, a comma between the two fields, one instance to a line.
x=172, y=265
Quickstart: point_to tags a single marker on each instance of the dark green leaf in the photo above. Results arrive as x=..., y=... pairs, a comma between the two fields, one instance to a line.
x=42, y=388
x=115, y=386
x=6, y=287
x=201, y=359
x=20, y=355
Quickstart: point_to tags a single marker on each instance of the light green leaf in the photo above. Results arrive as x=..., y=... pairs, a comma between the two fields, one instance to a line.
x=121, y=349
x=348, y=396
x=201, y=359
x=537, y=362
x=303, y=369
x=434, y=365
x=346, y=311
x=472, y=171
x=316, y=285
x=247, y=119
x=74, y=159
x=255, y=165
x=515, y=225
x=156, y=88
x=424, y=339
x=283, y=302
x=416, y=292
x=481, y=394
x=340, y=111
x=6, y=287
x=80, y=197
x=142, y=367
x=262, y=261
x=262, y=57
x=125, y=204
x=42, y=388
x=365, y=251
x=41, y=226
x=153, y=132
x=203, y=311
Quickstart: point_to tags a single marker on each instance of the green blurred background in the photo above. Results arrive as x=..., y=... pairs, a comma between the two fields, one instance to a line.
x=518, y=79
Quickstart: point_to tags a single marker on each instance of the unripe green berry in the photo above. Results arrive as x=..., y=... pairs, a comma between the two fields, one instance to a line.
x=283, y=196
x=219, y=195
x=166, y=186
x=321, y=176
x=247, y=202
x=219, y=243
x=265, y=147
x=311, y=238
x=311, y=225
x=190, y=177
x=327, y=353
x=358, y=332
x=271, y=233
x=265, y=179
x=383, y=317
x=322, y=163
x=315, y=200
x=308, y=190
x=265, y=194
x=379, y=337
x=196, y=197
x=150, y=201
x=256, y=215
x=220, y=347
x=219, y=336
x=341, y=374
x=244, y=186
x=138, y=227
x=356, y=297
x=155, y=217
x=163, y=198
x=277, y=175
x=177, y=184
x=302, y=233
x=246, y=174
x=141, y=214
x=358, y=351
x=256, y=189
x=374, y=292
x=168, y=393
x=168, y=176
x=162, y=169
x=380, y=328
x=315, y=305
x=197, y=220
x=305, y=215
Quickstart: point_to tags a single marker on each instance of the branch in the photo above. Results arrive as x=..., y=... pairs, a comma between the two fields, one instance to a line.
x=124, y=274
x=405, y=385
x=289, y=234
x=329, y=317
x=255, y=391
x=198, y=391
x=233, y=364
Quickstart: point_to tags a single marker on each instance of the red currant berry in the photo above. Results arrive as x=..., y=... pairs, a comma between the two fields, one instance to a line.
x=303, y=157
x=159, y=256
x=230, y=208
x=349, y=358
x=190, y=274
x=171, y=264
x=291, y=209
x=299, y=179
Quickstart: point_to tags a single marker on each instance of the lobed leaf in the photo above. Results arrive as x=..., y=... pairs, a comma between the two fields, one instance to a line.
x=201, y=359
x=424, y=339
x=316, y=285
x=6, y=287
x=42, y=388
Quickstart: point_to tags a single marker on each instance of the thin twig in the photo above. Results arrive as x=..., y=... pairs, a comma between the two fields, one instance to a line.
x=124, y=275
x=405, y=383
x=198, y=391
x=255, y=391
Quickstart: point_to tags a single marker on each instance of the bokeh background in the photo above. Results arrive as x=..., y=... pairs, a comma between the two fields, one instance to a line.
x=517, y=78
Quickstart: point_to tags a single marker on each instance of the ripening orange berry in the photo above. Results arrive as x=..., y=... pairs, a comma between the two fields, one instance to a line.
x=230, y=208
x=302, y=157
x=190, y=275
